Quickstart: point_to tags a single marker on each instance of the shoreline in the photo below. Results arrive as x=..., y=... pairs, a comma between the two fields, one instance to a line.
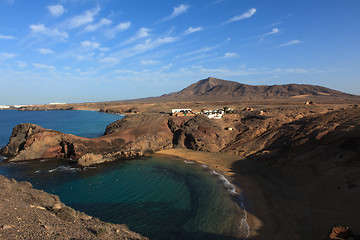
x=265, y=194
x=222, y=173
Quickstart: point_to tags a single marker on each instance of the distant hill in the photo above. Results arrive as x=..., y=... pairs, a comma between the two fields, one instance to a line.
x=216, y=89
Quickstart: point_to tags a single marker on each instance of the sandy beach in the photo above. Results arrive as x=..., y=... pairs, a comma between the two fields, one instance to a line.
x=275, y=210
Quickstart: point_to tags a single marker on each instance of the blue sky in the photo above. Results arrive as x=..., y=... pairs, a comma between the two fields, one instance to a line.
x=92, y=50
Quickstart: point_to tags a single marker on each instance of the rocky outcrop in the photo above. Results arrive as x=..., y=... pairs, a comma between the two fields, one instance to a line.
x=199, y=133
x=27, y=213
x=340, y=232
x=31, y=142
x=130, y=137
x=144, y=132
x=91, y=159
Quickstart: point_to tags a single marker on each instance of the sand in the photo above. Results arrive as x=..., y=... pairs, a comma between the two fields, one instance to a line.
x=275, y=210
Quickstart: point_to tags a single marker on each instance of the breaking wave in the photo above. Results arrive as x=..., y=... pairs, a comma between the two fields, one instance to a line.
x=244, y=226
x=64, y=169
x=228, y=185
x=189, y=162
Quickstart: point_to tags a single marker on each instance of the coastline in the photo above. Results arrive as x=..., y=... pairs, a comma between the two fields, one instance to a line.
x=265, y=193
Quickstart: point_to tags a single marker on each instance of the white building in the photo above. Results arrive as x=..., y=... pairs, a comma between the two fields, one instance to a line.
x=214, y=114
x=184, y=110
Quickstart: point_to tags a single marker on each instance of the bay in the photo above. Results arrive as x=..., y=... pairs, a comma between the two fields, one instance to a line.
x=161, y=198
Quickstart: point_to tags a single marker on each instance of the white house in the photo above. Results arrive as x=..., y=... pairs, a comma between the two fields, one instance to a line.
x=215, y=114
x=184, y=110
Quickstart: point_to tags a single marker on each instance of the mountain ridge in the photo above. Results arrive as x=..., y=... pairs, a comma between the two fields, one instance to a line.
x=218, y=89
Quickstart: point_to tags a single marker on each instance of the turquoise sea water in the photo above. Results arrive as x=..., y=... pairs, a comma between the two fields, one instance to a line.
x=161, y=198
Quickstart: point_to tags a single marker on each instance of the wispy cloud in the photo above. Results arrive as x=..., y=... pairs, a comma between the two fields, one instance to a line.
x=45, y=51
x=119, y=28
x=182, y=8
x=167, y=67
x=56, y=10
x=230, y=54
x=109, y=61
x=273, y=31
x=85, y=18
x=203, y=49
x=192, y=30
x=101, y=23
x=53, y=33
x=149, y=62
x=141, y=33
x=179, y=10
x=151, y=44
x=147, y=45
x=292, y=42
x=44, y=66
x=216, y=2
x=21, y=64
x=5, y=56
x=7, y=37
x=274, y=24
x=245, y=15
x=93, y=45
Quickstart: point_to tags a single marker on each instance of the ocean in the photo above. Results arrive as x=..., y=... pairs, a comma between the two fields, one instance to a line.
x=161, y=198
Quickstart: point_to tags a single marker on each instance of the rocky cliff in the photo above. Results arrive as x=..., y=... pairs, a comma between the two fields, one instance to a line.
x=27, y=213
x=31, y=142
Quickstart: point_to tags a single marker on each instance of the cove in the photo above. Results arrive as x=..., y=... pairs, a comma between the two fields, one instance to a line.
x=157, y=197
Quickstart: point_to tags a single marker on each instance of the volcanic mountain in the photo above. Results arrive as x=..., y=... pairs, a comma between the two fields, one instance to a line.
x=216, y=89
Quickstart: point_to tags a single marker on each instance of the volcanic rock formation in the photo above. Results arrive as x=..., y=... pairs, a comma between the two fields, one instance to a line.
x=27, y=213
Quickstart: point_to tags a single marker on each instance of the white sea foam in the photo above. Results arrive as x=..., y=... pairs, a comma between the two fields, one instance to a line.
x=244, y=226
x=43, y=160
x=17, y=163
x=85, y=168
x=190, y=162
x=228, y=185
x=38, y=171
x=204, y=166
x=64, y=169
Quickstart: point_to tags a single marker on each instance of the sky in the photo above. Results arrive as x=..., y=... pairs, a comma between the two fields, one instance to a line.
x=104, y=50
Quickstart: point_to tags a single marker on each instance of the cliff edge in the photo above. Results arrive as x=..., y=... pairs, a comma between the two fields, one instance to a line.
x=27, y=213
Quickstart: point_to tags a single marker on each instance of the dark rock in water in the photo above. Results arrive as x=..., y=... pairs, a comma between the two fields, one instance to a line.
x=28, y=213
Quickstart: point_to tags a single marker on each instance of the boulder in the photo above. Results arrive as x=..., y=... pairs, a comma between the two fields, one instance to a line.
x=340, y=232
